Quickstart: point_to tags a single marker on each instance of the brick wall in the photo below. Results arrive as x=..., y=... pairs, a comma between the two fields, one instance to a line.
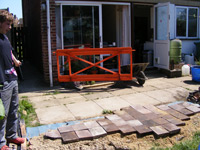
x=44, y=41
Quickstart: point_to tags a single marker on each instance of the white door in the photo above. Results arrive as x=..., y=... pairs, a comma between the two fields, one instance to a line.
x=161, y=35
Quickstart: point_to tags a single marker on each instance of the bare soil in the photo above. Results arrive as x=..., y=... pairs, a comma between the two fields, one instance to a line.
x=119, y=142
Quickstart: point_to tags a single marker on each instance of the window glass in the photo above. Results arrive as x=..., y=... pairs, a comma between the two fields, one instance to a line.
x=192, y=22
x=181, y=21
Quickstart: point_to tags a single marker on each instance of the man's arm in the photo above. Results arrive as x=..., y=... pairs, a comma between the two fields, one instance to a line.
x=17, y=62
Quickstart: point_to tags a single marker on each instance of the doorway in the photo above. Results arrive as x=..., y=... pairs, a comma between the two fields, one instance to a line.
x=143, y=33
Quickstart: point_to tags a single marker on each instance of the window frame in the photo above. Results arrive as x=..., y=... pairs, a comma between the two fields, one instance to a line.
x=187, y=22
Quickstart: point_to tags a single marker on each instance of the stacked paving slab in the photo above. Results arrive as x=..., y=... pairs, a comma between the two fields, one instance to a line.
x=161, y=121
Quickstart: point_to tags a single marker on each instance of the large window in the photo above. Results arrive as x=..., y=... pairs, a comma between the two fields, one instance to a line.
x=187, y=22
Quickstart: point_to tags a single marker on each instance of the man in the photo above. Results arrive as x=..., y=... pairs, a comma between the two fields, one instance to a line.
x=8, y=78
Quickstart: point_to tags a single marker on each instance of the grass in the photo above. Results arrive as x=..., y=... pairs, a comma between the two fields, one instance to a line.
x=27, y=112
x=185, y=145
x=105, y=111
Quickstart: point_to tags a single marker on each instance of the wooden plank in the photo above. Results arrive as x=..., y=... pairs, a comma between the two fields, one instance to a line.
x=193, y=109
x=163, y=107
x=173, y=129
x=143, y=129
x=141, y=109
x=159, y=131
x=182, y=109
x=177, y=114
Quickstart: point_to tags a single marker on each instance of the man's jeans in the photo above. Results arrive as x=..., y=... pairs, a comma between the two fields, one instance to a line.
x=9, y=96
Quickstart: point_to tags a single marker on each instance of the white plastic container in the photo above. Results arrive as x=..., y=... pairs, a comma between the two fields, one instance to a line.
x=185, y=70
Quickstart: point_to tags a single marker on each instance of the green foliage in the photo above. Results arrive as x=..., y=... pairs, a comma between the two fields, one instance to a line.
x=105, y=111
x=185, y=145
x=27, y=112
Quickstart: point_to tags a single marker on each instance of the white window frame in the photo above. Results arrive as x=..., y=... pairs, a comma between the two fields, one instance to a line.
x=186, y=37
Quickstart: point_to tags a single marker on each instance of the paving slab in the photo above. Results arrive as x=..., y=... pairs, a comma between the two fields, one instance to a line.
x=173, y=129
x=126, y=117
x=71, y=100
x=134, y=123
x=159, y=131
x=161, y=96
x=104, y=122
x=177, y=114
x=83, y=110
x=79, y=126
x=160, y=84
x=54, y=114
x=143, y=129
x=119, y=122
x=111, y=128
x=64, y=129
x=160, y=121
x=112, y=103
x=97, y=132
x=113, y=117
x=141, y=109
x=91, y=124
x=96, y=95
x=144, y=88
x=179, y=93
x=54, y=134
x=154, y=109
x=126, y=129
x=124, y=91
x=139, y=98
x=68, y=137
x=194, y=109
x=84, y=135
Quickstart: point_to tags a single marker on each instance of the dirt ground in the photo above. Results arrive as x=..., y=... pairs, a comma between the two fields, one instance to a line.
x=117, y=141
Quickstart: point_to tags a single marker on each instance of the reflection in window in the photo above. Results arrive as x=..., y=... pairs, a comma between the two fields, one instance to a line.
x=192, y=23
x=181, y=22
x=186, y=22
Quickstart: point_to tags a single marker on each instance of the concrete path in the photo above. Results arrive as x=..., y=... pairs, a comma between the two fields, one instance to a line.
x=62, y=105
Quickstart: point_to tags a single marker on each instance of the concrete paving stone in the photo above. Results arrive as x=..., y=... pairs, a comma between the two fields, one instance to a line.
x=111, y=128
x=104, y=122
x=186, y=104
x=64, y=129
x=30, y=94
x=161, y=96
x=172, y=128
x=160, y=121
x=97, y=132
x=79, y=126
x=160, y=84
x=143, y=129
x=159, y=131
x=84, y=135
x=68, y=137
x=144, y=88
x=67, y=95
x=112, y=103
x=131, y=111
x=126, y=117
x=54, y=134
x=83, y=110
x=126, y=129
x=71, y=100
x=122, y=92
x=54, y=114
x=179, y=93
x=119, y=122
x=141, y=109
x=43, y=101
x=91, y=124
x=96, y=95
x=113, y=117
x=178, y=115
x=149, y=123
x=139, y=98
x=176, y=106
x=134, y=123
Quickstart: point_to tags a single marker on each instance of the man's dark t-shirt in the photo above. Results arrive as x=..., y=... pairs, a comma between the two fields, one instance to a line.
x=7, y=71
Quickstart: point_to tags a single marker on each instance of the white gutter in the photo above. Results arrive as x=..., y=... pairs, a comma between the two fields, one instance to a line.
x=49, y=43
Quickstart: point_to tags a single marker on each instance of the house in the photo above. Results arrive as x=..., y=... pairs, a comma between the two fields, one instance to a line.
x=146, y=25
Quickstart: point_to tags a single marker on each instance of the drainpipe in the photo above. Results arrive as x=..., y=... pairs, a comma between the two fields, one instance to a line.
x=49, y=43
